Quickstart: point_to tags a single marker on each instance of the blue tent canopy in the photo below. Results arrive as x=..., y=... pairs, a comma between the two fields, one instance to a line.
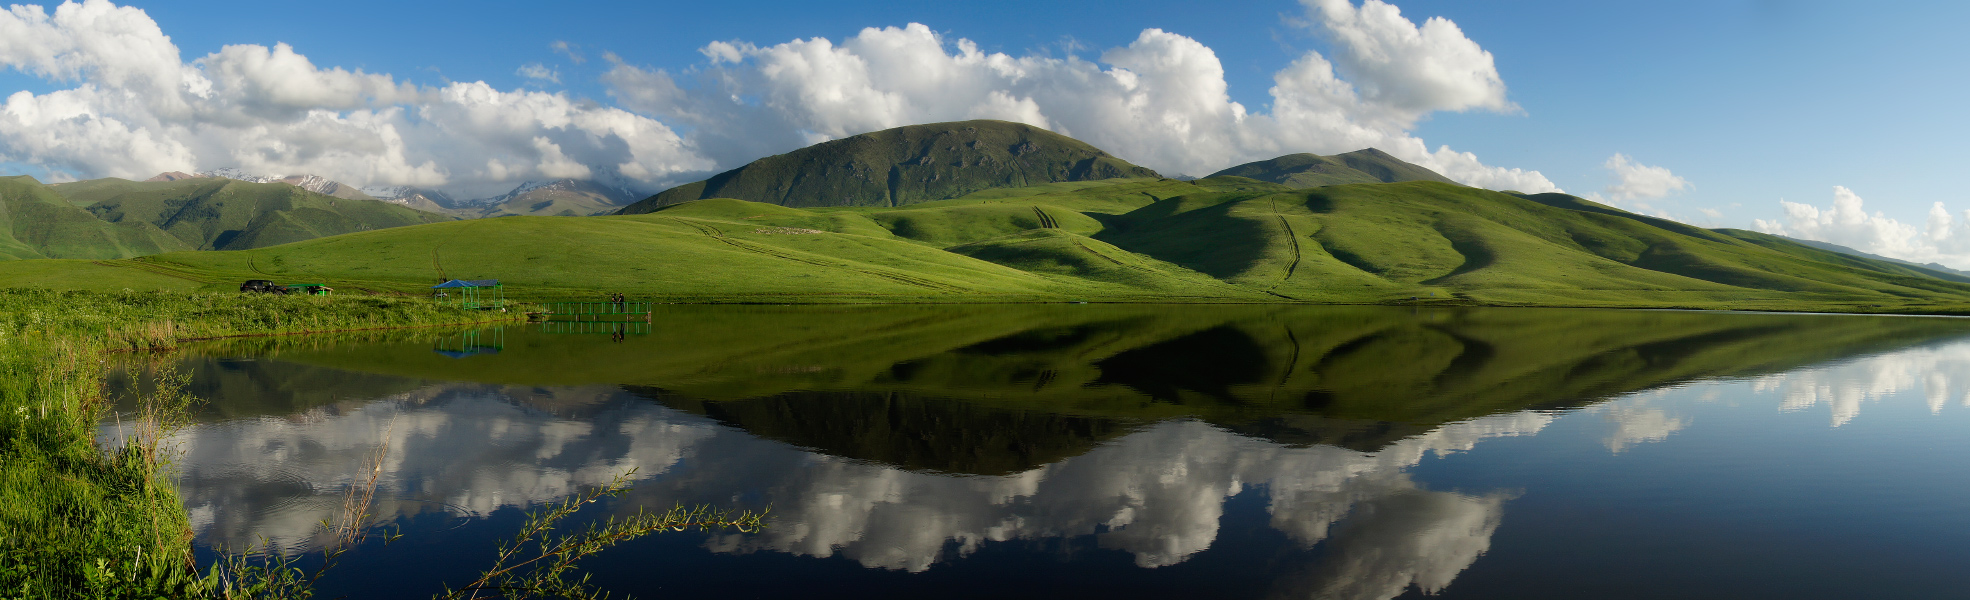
x=467, y=283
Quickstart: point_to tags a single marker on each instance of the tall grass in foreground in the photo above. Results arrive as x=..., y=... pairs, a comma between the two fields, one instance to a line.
x=84, y=521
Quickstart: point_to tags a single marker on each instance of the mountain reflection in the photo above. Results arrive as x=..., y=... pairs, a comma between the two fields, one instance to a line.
x=902, y=437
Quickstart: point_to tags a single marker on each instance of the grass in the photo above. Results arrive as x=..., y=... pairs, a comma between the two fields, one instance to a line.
x=1223, y=239
x=85, y=521
x=36, y=222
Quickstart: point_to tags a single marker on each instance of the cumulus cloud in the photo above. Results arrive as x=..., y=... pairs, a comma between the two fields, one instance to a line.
x=1161, y=101
x=138, y=107
x=564, y=48
x=1633, y=180
x=1942, y=238
x=540, y=72
x=1402, y=67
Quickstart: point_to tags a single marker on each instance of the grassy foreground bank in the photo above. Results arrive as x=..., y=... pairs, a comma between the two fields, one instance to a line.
x=84, y=521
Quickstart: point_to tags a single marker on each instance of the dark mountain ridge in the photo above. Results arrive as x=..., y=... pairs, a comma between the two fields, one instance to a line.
x=907, y=165
x=1312, y=170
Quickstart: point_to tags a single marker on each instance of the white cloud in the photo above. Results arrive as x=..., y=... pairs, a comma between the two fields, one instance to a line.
x=1942, y=238
x=137, y=107
x=539, y=72
x=1161, y=101
x=1402, y=67
x=564, y=48
x=1633, y=180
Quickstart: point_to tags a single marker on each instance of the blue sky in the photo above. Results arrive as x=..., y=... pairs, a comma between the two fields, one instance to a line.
x=1749, y=102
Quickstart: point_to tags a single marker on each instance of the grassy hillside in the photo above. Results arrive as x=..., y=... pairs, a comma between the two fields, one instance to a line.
x=211, y=213
x=1313, y=170
x=1142, y=239
x=37, y=223
x=906, y=165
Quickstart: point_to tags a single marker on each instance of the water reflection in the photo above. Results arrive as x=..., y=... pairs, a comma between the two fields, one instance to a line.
x=1156, y=493
x=1941, y=372
x=906, y=437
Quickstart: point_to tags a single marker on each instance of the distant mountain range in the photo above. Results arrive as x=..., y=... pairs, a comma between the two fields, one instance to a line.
x=562, y=197
x=118, y=218
x=1938, y=267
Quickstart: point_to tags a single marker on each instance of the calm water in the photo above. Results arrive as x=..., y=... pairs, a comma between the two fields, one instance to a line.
x=1098, y=451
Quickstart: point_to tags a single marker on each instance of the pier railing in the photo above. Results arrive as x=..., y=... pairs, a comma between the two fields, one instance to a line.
x=596, y=327
x=596, y=311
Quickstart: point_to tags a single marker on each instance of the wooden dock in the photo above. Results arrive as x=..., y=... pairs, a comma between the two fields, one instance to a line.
x=596, y=327
x=596, y=311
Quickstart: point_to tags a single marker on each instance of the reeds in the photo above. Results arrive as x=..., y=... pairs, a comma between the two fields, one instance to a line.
x=79, y=520
x=539, y=561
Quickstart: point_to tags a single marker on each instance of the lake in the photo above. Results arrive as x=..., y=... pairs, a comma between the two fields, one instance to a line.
x=1074, y=451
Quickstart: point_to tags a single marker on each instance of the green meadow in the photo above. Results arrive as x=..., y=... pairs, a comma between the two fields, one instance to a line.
x=1223, y=239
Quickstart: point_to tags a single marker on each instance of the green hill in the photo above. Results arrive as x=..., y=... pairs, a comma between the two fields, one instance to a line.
x=38, y=223
x=906, y=165
x=212, y=213
x=1216, y=239
x=1313, y=170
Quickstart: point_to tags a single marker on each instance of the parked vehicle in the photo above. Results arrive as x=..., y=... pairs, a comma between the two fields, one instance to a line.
x=262, y=286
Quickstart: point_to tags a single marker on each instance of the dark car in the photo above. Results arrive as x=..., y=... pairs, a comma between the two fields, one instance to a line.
x=262, y=286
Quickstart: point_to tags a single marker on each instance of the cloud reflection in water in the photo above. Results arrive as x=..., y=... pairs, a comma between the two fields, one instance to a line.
x=1157, y=494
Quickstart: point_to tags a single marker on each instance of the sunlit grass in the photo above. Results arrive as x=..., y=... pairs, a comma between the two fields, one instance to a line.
x=81, y=520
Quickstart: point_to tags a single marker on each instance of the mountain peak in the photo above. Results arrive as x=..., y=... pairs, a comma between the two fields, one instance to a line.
x=173, y=176
x=1367, y=165
x=906, y=165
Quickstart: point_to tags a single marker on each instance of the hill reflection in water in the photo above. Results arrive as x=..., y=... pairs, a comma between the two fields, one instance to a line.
x=901, y=438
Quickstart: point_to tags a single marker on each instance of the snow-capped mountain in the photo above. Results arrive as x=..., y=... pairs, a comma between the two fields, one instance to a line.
x=610, y=194
x=561, y=197
x=418, y=198
x=312, y=183
x=236, y=173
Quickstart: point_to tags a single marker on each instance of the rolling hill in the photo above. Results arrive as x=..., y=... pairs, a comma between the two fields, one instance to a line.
x=964, y=212
x=134, y=218
x=906, y=165
x=1143, y=239
x=38, y=223
x=1313, y=170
